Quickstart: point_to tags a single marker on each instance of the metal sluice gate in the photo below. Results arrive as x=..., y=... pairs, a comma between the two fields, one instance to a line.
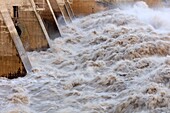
x=18, y=21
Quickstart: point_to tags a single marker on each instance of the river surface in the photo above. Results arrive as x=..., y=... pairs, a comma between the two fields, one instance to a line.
x=116, y=61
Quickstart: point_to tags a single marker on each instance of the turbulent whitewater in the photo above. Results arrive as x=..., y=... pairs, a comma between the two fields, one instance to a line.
x=116, y=61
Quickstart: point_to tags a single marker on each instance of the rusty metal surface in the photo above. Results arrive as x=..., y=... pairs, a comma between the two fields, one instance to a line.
x=69, y=9
x=34, y=5
x=29, y=22
x=32, y=35
x=86, y=7
x=65, y=14
x=13, y=58
x=50, y=19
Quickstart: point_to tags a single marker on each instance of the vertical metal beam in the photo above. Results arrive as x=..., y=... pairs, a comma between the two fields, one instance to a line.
x=64, y=11
x=69, y=9
x=15, y=37
x=40, y=22
x=55, y=19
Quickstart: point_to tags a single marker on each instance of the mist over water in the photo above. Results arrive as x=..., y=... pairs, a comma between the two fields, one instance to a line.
x=157, y=17
x=116, y=61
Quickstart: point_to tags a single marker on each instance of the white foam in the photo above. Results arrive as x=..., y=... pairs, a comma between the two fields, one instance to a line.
x=158, y=18
x=114, y=61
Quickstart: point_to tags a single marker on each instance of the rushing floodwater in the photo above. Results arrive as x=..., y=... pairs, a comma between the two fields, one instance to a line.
x=115, y=61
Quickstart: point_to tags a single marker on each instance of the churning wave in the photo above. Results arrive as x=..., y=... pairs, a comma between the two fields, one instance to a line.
x=116, y=61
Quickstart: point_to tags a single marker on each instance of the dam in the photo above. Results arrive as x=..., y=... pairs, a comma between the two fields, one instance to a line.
x=30, y=25
x=99, y=61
